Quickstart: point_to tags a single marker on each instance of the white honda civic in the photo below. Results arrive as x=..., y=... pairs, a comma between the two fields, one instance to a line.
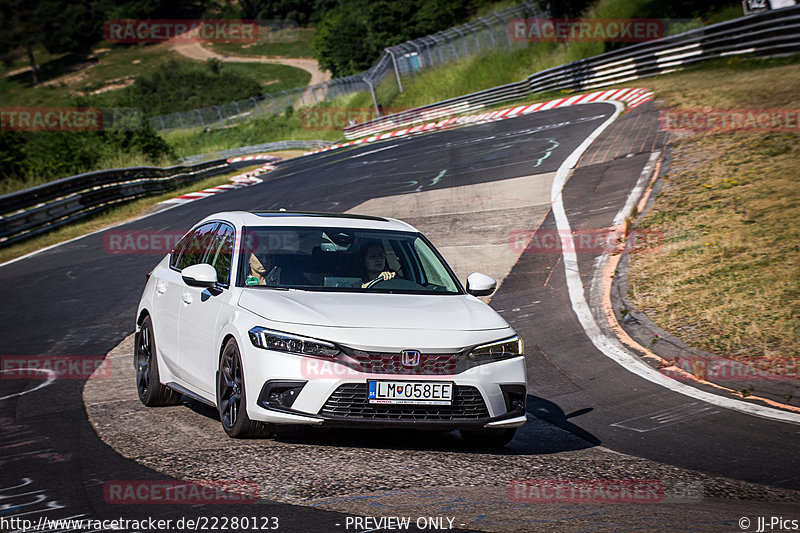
x=280, y=318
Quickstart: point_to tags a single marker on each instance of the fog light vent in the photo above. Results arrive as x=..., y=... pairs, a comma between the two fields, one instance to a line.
x=280, y=394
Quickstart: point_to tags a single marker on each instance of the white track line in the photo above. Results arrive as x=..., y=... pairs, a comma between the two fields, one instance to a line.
x=610, y=346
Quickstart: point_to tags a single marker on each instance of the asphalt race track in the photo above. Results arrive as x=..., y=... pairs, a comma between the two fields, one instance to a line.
x=589, y=417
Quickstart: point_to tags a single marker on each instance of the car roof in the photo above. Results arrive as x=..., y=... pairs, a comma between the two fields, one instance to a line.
x=310, y=219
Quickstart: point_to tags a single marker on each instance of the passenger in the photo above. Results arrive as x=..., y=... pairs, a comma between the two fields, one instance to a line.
x=373, y=264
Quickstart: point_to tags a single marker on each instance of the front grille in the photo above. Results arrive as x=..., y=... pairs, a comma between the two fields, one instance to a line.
x=350, y=401
x=392, y=363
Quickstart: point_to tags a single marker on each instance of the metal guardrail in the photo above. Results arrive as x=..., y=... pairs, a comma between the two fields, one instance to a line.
x=258, y=148
x=43, y=208
x=770, y=33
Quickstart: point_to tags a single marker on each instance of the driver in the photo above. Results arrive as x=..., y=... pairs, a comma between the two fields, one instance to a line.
x=262, y=269
x=373, y=264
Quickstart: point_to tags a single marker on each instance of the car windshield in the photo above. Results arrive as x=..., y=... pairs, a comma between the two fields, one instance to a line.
x=342, y=259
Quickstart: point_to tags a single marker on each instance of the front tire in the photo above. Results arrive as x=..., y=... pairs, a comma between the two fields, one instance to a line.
x=488, y=438
x=231, y=395
x=151, y=391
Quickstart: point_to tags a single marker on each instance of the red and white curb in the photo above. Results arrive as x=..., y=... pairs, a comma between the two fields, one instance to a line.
x=237, y=182
x=631, y=97
x=253, y=157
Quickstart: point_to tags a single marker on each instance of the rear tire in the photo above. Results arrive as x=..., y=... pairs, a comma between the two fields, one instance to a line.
x=151, y=391
x=488, y=438
x=231, y=396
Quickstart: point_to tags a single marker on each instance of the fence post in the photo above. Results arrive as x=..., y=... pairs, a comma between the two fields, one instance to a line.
x=438, y=48
x=374, y=100
x=489, y=27
x=396, y=71
x=475, y=36
x=463, y=41
x=506, y=30
x=452, y=46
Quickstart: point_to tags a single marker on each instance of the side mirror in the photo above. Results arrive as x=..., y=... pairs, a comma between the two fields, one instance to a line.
x=480, y=284
x=201, y=275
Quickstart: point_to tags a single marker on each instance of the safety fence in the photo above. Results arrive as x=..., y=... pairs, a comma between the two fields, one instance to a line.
x=407, y=59
x=770, y=33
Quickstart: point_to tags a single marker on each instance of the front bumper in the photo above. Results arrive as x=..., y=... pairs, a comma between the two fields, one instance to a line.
x=491, y=395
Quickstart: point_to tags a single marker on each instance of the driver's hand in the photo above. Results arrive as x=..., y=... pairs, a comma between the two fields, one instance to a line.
x=384, y=276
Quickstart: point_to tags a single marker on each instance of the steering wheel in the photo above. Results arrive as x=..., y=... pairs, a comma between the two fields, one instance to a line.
x=376, y=281
x=395, y=283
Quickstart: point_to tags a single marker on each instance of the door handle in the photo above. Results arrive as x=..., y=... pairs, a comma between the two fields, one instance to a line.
x=187, y=298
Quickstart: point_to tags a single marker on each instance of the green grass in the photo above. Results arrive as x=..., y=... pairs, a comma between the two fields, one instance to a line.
x=19, y=59
x=272, y=77
x=501, y=67
x=66, y=78
x=269, y=128
x=119, y=159
x=294, y=43
x=726, y=279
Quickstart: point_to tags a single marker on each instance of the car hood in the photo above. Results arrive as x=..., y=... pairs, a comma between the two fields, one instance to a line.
x=379, y=311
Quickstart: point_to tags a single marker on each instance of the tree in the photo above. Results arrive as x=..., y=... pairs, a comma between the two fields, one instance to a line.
x=13, y=162
x=341, y=42
x=353, y=35
x=21, y=27
x=59, y=25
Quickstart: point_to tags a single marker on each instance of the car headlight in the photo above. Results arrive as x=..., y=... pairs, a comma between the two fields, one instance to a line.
x=286, y=342
x=498, y=350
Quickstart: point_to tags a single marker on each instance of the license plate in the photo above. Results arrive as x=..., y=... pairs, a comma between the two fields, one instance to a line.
x=410, y=392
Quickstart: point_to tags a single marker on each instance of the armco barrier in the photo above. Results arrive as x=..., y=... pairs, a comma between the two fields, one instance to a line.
x=55, y=204
x=256, y=148
x=770, y=33
x=631, y=97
